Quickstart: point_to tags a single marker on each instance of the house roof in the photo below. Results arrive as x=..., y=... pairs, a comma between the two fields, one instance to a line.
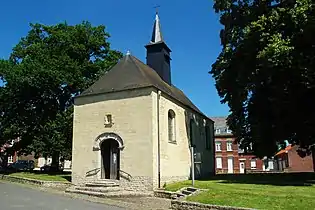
x=131, y=73
x=221, y=126
x=288, y=148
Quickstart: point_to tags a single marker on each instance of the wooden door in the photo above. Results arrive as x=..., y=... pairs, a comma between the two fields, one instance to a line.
x=242, y=167
x=114, y=162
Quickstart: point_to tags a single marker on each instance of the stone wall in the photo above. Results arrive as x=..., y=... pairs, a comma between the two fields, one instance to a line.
x=143, y=183
x=51, y=184
x=184, y=205
x=164, y=194
x=131, y=121
x=175, y=157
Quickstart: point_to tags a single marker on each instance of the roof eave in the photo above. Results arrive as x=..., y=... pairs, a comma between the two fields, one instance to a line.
x=205, y=116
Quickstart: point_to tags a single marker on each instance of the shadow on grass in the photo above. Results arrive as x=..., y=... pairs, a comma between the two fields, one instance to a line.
x=278, y=179
x=67, y=177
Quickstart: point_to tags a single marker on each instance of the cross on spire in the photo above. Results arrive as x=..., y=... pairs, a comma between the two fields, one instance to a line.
x=157, y=8
x=157, y=34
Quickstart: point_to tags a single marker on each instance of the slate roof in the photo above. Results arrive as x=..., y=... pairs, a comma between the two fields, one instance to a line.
x=131, y=73
x=220, y=124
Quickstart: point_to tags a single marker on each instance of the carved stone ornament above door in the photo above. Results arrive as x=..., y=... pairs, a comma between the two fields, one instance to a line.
x=108, y=121
x=103, y=137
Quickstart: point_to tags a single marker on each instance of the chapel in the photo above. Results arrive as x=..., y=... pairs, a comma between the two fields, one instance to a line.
x=135, y=126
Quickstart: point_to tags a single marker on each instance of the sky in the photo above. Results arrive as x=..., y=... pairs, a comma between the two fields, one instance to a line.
x=190, y=28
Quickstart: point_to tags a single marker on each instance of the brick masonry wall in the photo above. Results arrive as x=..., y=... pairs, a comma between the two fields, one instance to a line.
x=298, y=164
x=237, y=158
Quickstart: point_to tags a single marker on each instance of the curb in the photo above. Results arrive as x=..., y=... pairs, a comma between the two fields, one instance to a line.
x=35, y=181
x=185, y=205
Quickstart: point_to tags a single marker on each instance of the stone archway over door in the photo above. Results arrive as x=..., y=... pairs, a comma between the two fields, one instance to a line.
x=109, y=146
x=110, y=155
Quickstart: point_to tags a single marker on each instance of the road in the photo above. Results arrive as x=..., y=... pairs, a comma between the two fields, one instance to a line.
x=13, y=196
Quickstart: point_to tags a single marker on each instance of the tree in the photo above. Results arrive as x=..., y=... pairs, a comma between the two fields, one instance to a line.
x=46, y=69
x=265, y=72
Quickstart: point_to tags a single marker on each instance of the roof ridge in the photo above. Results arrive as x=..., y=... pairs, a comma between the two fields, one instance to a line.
x=153, y=71
x=138, y=68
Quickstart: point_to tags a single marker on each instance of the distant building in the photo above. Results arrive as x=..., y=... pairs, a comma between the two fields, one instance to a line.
x=39, y=162
x=288, y=160
x=229, y=158
x=10, y=157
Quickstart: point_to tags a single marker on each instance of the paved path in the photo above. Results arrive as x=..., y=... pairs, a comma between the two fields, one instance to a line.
x=14, y=197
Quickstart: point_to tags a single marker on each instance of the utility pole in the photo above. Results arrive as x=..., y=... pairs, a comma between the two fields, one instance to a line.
x=192, y=166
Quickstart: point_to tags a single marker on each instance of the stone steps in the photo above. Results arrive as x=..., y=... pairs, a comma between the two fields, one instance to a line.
x=191, y=189
x=177, y=196
x=184, y=193
x=105, y=188
x=98, y=189
x=101, y=184
x=109, y=194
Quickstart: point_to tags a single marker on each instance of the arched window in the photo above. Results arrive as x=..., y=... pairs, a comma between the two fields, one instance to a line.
x=208, y=136
x=171, y=126
x=192, y=130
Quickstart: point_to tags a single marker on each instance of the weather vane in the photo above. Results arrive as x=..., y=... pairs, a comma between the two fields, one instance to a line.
x=157, y=8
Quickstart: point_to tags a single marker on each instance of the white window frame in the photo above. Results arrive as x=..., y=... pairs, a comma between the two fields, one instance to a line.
x=217, y=131
x=228, y=130
x=218, y=163
x=271, y=163
x=229, y=146
x=218, y=148
x=10, y=159
x=253, y=164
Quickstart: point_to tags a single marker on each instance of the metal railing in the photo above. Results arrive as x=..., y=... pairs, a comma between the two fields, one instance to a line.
x=93, y=172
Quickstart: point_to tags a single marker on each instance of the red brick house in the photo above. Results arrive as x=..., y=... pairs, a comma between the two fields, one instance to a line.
x=41, y=161
x=288, y=160
x=14, y=154
x=230, y=158
x=11, y=157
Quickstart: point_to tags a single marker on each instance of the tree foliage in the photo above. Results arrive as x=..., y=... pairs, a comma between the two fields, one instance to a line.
x=46, y=69
x=265, y=72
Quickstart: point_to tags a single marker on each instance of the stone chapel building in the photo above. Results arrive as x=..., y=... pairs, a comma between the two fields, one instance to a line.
x=135, y=126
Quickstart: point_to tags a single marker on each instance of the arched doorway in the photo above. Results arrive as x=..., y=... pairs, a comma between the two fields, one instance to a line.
x=110, y=155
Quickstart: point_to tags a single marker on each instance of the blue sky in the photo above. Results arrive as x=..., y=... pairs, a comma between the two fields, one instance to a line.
x=190, y=28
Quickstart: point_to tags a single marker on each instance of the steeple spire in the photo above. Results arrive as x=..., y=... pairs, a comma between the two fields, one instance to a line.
x=157, y=34
x=158, y=53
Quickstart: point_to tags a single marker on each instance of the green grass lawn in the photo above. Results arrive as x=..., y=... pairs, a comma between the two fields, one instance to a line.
x=251, y=195
x=42, y=176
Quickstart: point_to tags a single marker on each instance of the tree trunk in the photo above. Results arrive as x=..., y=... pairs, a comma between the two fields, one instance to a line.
x=55, y=162
x=4, y=161
x=313, y=157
